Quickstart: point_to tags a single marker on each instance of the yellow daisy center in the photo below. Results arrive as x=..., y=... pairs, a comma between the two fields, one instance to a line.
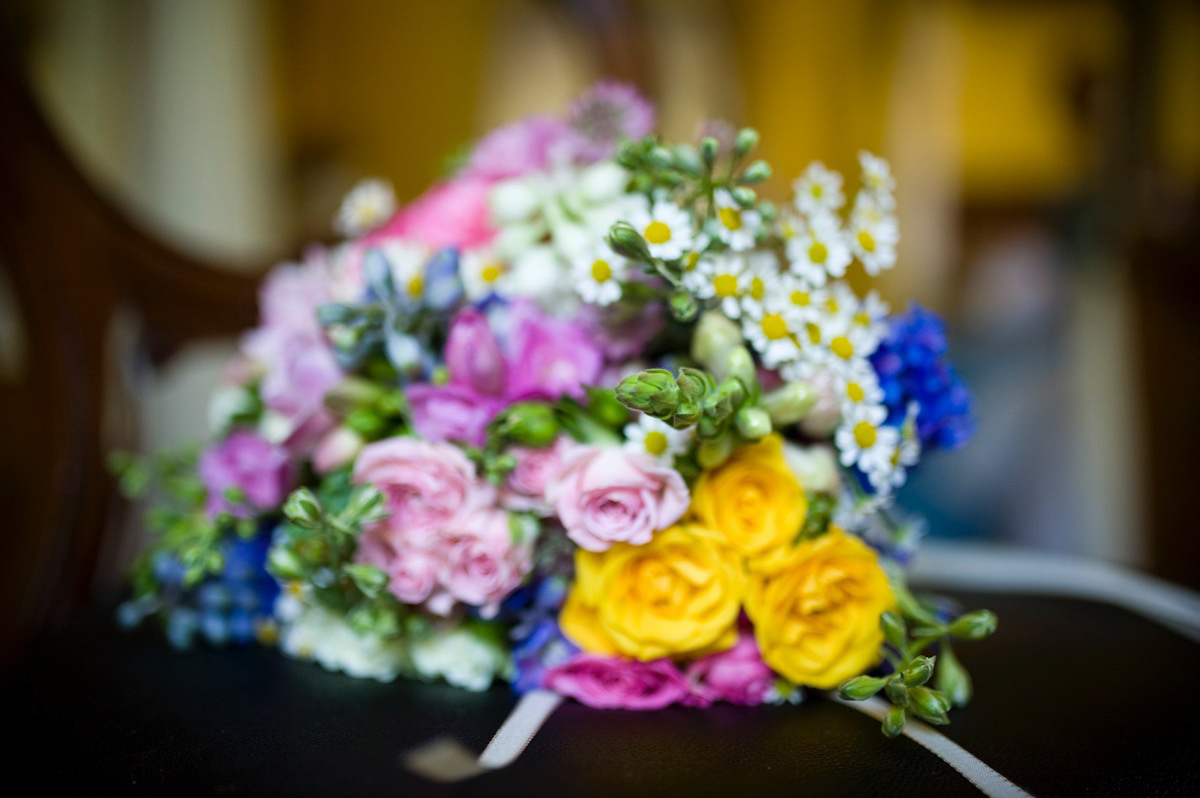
x=801, y=299
x=690, y=260
x=416, y=285
x=601, y=271
x=864, y=434
x=862, y=319
x=854, y=392
x=866, y=241
x=490, y=273
x=817, y=190
x=657, y=232
x=725, y=285
x=842, y=347
x=731, y=218
x=758, y=288
x=817, y=253
x=814, y=332
x=655, y=443
x=774, y=327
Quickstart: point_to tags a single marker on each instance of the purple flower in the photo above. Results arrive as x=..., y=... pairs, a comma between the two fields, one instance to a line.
x=451, y=412
x=737, y=675
x=248, y=463
x=549, y=358
x=611, y=683
x=473, y=355
x=527, y=146
x=606, y=113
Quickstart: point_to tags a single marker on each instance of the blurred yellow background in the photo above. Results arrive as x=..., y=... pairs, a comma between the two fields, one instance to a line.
x=1047, y=154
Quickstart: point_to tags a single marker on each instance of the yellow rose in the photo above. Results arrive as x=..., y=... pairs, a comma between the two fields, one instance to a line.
x=754, y=500
x=816, y=617
x=678, y=594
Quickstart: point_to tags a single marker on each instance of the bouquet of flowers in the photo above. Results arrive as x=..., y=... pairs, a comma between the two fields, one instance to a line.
x=589, y=416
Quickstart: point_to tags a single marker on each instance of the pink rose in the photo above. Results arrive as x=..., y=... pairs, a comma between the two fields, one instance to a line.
x=737, y=675
x=606, y=495
x=525, y=487
x=248, y=463
x=451, y=412
x=412, y=572
x=549, y=357
x=428, y=487
x=480, y=564
x=450, y=214
x=610, y=683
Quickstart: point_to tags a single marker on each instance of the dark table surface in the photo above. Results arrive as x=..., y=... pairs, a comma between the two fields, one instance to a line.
x=1072, y=698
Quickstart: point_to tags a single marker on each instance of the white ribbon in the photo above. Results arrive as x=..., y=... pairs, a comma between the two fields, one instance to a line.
x=984, y=568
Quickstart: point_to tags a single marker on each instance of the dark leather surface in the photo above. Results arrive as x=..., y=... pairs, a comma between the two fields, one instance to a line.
x=1073, y=698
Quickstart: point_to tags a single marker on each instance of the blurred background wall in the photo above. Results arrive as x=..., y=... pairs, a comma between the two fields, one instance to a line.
x=1047, y=154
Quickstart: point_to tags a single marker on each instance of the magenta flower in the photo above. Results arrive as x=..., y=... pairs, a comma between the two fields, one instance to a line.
x=450, y=214
x=473, y=355
x=737, y=675
x=610, y=683
x=549, y=358
x=249, y=463
x=451, y=412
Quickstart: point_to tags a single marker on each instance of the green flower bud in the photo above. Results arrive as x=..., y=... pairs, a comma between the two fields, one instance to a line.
x=352, y=393
x=693, y=384
x=661, y=158
x=653, y=391
x=686, y=414
x=789, y=404
x=365, y=506
x=974, y=625
x=714, y=335
x=687, y=159
x=753, y=423
x=708, y=428
x=711, y=453
x=303, y=509
x=604, y=407
x=893, y=721
x=746, y=140
x=897, y=693
x=744, y=196
x=756, y=172
x=952, y=678
x=627, y=242
x=723, y=400
x=368, y=578
x=917, y=673
x=528, y=423
x=739, y=364
x=930, y=705
x=683, y=306
x=893, y=629
x=861, y=687
x=709, y=147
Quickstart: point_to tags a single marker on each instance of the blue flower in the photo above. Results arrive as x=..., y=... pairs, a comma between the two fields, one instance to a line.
x=912, y=366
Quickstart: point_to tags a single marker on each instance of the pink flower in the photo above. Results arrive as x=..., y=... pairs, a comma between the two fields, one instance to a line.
x=451, y=412
x=604, y=114
x=428, y=487
x=336, y=448
x=525, y=487
x=530, y=145
x=480, y=564
x=606, y=495
x=609, y=683
x=249, y=463
x=412, y=572
x=473, y=355
x=299, y=370
x=291, y=292
x=737, y=675
x=548, y=357
x=450, y=214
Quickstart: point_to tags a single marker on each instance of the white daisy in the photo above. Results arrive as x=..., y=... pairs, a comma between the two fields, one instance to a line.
x=597, y=275
x=877, y=178
x=666, y=227
x=819, y=249
x=483, y=274
x=735, y=226
x=846, y=345
x=801, y=298
x=656, y=438
x=873, y=233
x=863, y=440
x=858, y=385
x=723, y=277
x=772, y=334
x=406, y=260
x=368, y=205
x=762, y=279
x=872, y=315
x=818, y=190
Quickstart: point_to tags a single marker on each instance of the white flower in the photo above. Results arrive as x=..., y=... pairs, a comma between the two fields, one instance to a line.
x=873, y=233
x=597, y=275
x=819, y=249
x=368, y=205
x=467, y=656
x=815, y=466
x=858, y=384
x=666, y=227
x=762, y=280
x=863, y=440
x=877, y=178
x=818, y=190
x=772, y=334
x=310, y=632
x=540, y=274
x=722, y=277
x=847, y=345
x=872, y=316
x=657, y=438
x=483, y=274
x=406, y=261
x=736, y=227
x=801, y=300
